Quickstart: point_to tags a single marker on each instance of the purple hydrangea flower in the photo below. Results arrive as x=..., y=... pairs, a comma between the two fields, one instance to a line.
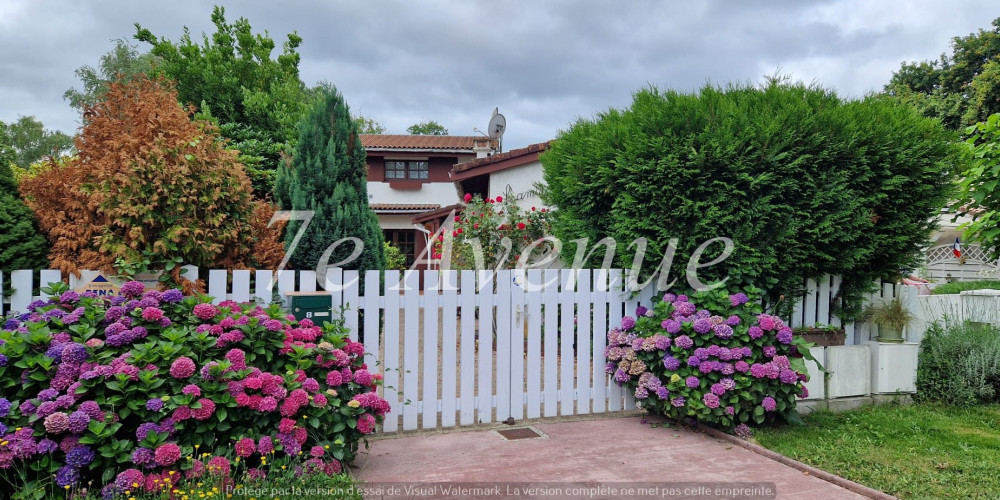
x=702, y=325
x=172, y=296
x=672, y=326
x=46, y=446
x=145, y=428
x=755, y=332
x=693, y=361
x=723, y=331
x=78, y=422
x=743, y=431
x=142, y=456
x=671, y=363
x=628, y=323
x=769, y=403
x=155, y=404
x=733, y=320
x=4, y=407
x=692, y=381
x=47, y=394
x=770, y=351
x=678, y=402
x=67, y=475
x=789, y=376
x=727, y=369
x=718, y=389
x=132, y=289
x=662, y=343
x=684, y=342
x=784, y=335
x=669, y=297
x=621, y=375
x=662, y=392
x=738, y=299
x=640, y=311
x=757, y=370
x=710, y=400
x=683, y=308
x=80, y=456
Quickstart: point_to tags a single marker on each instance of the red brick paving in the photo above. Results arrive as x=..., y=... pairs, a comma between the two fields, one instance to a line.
x=606, y=450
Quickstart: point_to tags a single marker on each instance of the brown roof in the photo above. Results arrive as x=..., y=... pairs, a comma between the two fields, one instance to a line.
x=500, y=161
x=438, y=213
x=391, y=142
x=402, y=207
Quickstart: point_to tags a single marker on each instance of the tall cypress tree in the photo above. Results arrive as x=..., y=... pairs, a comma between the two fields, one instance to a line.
x=327, y=176
x=22, y=245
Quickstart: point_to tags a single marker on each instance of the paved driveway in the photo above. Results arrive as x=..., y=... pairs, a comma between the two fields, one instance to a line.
x=600, y=458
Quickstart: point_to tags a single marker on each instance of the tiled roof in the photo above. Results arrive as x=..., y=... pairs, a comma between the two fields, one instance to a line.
x=420, y=142
x=408, y=207
x=497, y=158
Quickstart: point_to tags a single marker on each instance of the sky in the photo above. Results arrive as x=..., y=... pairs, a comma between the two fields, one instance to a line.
x=544, y=64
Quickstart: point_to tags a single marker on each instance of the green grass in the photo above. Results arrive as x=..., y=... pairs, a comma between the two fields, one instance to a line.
x=919, y=451
x=961, y=286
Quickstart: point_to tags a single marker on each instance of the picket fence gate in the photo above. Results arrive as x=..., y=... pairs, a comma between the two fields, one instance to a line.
x=476, y=347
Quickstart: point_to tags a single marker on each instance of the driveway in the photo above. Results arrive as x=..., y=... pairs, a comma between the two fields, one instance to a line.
x=598, y=458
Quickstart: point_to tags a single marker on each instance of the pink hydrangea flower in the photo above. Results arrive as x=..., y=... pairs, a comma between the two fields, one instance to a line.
x=245, y=447
x=206, y=410
x=182, y=367
x=366, y=423
x=167, y=454
x=205, y=311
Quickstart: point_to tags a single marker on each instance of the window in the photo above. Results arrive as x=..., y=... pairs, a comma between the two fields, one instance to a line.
x=414, y=170
x=405, y=241
x=395, y=170
x=417, y=170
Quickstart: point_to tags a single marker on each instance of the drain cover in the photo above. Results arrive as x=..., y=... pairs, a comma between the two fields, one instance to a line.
x=522, y=433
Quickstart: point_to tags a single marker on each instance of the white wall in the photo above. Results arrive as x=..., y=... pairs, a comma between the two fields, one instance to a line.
x=392, y=221
x=518, y=183
x=437, y=193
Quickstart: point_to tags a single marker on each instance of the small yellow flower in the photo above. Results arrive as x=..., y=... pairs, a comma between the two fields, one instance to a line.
x=675, y=377
x=354, y=403
x=164, y=398
x=135, y=485
x=283, y=467
x=237, y=460
x=326, y=446
x=17, y=429
x=67, y=486
x=171, y=473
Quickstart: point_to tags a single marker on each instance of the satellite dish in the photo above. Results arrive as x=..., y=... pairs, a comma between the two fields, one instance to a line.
x=497, y=125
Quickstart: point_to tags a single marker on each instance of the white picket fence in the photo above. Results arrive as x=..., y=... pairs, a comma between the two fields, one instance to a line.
x=477, y=347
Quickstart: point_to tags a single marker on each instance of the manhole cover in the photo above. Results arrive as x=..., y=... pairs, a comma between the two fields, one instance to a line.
x=522, y=433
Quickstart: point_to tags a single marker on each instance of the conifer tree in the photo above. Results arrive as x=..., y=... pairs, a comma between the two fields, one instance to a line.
x=22, y=245
x=327, y=176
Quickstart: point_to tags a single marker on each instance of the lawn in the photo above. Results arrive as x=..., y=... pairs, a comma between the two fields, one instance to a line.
x=918, y=451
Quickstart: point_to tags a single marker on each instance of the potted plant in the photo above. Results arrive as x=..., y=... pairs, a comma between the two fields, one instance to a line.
x=891, y=318
x=822, y=335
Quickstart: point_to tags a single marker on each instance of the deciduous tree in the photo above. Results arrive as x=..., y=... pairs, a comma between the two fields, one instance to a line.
x=257, y=100
x=427, y=128
x=150, y=185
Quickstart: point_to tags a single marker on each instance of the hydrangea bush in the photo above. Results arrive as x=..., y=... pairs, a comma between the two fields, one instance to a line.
x=712, y=356
x=142, y=387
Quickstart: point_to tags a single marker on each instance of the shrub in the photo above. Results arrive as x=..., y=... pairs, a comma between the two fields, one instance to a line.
x=714, y=357
x=804, y=183
x=961, y=286
x=959, y=364
x=148, y=381
x=493, y=233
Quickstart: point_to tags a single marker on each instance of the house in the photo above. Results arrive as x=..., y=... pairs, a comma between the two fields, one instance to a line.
x=409, y=175
x=515, y=174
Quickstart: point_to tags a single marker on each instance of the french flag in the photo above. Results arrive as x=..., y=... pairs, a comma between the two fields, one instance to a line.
x=957, y=248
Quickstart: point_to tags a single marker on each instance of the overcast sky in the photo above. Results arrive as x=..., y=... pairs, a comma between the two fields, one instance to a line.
x=543, y=63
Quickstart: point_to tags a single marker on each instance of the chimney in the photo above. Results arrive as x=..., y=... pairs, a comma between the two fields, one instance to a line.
x=483, y=147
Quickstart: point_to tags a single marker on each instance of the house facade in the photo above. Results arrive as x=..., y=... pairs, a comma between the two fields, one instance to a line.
x=409, y=175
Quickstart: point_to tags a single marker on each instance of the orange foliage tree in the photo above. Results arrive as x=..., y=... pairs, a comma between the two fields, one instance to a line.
x=151, y=188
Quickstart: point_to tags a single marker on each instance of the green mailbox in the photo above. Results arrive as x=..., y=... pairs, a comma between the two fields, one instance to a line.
x=316, y=306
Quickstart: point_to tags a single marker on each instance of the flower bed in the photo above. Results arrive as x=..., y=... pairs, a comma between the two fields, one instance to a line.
x=723, y=363
x=146, y=386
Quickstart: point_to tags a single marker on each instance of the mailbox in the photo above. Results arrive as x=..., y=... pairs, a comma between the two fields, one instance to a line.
x=315, y=306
